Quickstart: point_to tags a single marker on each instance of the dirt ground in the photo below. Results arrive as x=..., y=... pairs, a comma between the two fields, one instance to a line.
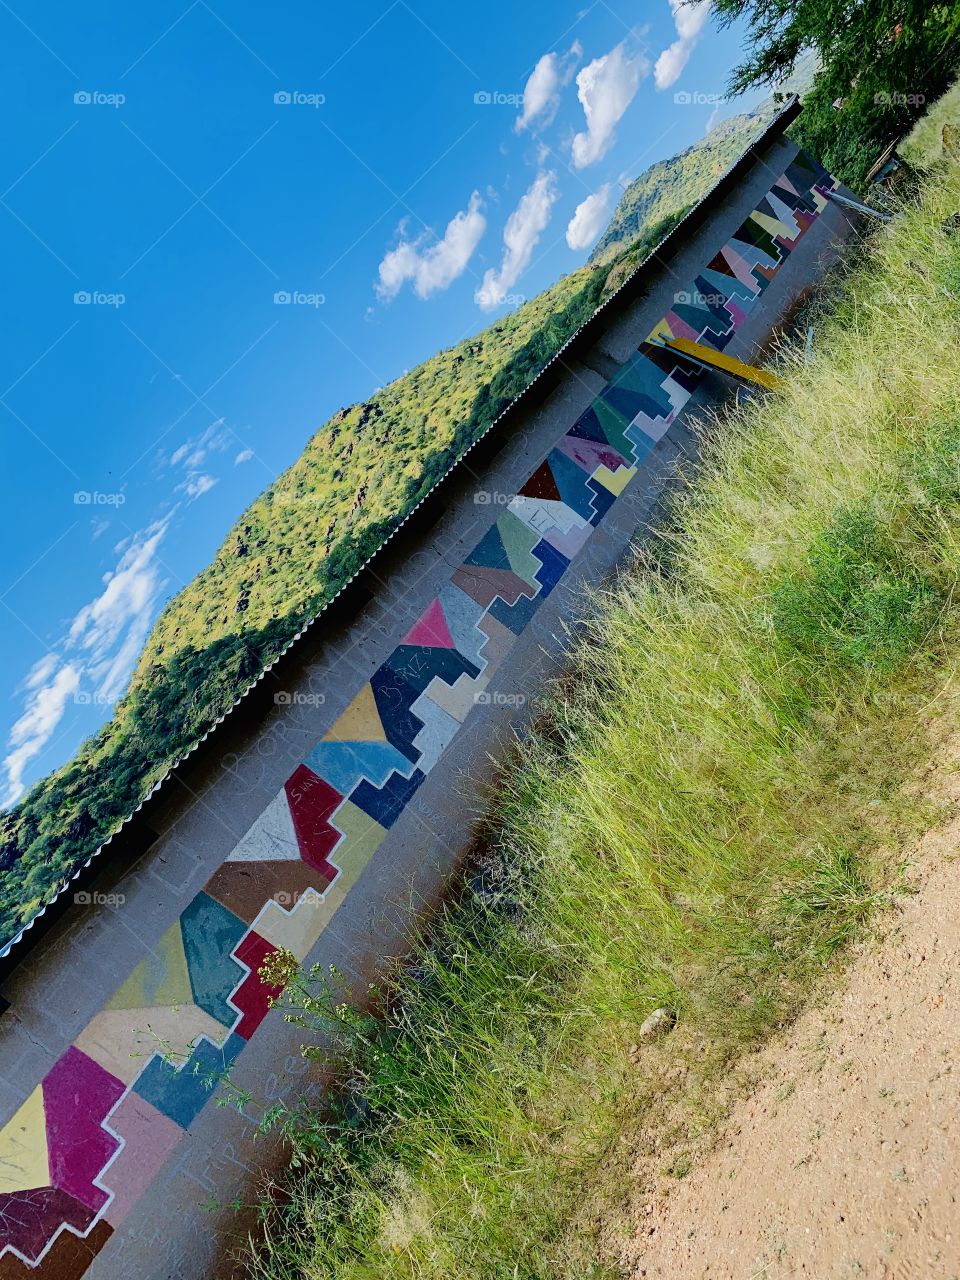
x=845, y=1161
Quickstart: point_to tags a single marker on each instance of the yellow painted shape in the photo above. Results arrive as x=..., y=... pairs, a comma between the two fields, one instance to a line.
x=725, y=363
x=615, y=481
x=23, y=1148
x=360, y=722
x=775, y=226
x=661, y=332
x=161, y=979
x=299, y=928
x=123, y=1041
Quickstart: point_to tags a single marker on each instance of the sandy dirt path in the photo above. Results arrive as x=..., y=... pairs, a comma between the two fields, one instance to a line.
x=845, y=1161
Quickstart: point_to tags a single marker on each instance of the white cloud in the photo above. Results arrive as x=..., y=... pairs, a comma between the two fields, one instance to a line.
x=520, y=237
x=99, y=649
x=243, y=456
x=589, y=219
x=129, y=591
x=689, y=20
x=48, y=687
x=196, y=484
x=605, y=87
x=439, y=265
x=541, y=94
x=197, y=451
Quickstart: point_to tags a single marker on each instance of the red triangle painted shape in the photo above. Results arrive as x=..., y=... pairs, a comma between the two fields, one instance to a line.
x=312, y=803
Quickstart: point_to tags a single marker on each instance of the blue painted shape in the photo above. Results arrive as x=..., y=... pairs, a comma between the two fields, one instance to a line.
x=708, y=326
x=462, y=614
x=515, y=616
x=680, y=371
x=571, y=483
x=587, y=427
x=394, y=698
x=791, y=200
x=554, y=566
x=640, y=439
x=385, y=804
x=180, y=1090
x=641, y=376
x=344, y=764
x=210, y=932
x=603, y=500
x=419, y=664
x=489, y=552
x=628, y=403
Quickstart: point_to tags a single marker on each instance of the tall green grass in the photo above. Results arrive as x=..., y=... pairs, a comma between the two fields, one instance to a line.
x=710, y=812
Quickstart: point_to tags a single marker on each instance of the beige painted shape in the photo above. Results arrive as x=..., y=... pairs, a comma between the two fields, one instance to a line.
x=298, y=929
x=774, y=225
x=360, y=722
x=23, y=1148
x=457, y=699
x=123, y=1041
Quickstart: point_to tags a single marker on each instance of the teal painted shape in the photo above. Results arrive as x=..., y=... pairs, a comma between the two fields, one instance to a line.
x=343, y=764
x=729, y=286
x=180, y=1091
x=518, y=541
x=210, y=932
x=489, y=553
x=641, y=375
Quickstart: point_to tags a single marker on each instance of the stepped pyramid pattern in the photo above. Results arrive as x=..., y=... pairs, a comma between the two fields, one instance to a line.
x=86, y=1144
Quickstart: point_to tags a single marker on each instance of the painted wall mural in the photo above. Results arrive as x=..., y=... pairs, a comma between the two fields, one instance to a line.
x=86, y=1144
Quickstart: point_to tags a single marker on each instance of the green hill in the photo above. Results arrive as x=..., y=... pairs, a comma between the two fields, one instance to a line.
x=298, y=543
x=678, y=182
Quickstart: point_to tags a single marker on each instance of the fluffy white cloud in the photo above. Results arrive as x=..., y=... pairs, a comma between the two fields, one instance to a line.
x=689, y=20
x=196, y=484
x=439, y=265
x=589, y=219
x=520, y=237
x=541, y=94
x=101, y=630
x=48, y=688
x=243, y=456
x=605, y=87
x=99, y=649
x=191, y=456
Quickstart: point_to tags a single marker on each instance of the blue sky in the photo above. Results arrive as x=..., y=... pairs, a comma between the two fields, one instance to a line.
x=222, y=223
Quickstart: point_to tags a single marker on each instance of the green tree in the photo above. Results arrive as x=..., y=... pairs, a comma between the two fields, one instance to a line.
x=882, y=60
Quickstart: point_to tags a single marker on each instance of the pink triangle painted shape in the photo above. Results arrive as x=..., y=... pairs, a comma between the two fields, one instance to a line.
x=431, y=630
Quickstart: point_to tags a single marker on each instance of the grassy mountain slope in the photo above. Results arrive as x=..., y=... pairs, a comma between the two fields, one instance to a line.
x=678, y=182
x=292, y=550
x=683, y=179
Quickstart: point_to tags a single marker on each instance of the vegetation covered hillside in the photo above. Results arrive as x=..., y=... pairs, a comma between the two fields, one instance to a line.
x=288, y=554
x=683, y=179
x=679, y=182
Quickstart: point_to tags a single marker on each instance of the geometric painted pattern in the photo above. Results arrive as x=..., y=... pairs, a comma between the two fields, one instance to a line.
x=85, y=1145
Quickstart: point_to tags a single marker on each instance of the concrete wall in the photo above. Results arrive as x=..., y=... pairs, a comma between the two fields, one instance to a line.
x=109, y=1163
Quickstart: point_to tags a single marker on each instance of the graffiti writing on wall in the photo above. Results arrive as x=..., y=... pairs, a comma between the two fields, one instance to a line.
x=85, y=1145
